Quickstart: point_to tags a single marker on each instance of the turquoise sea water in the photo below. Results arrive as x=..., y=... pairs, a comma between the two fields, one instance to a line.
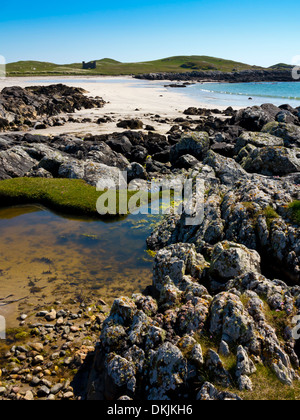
x=238, y=94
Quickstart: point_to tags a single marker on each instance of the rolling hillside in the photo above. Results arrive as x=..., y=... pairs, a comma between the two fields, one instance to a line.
x=112, y=67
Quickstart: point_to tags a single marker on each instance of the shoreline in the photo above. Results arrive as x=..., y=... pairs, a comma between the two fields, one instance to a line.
x=125, y=97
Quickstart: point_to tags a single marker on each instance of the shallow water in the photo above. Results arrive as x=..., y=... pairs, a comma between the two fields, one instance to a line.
x=45, y=256
x=238, y=94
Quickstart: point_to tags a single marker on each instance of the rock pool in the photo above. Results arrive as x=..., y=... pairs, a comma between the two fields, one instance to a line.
x=46, y=256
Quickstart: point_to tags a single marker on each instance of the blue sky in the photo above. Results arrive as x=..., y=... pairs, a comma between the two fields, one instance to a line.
x=261, y=32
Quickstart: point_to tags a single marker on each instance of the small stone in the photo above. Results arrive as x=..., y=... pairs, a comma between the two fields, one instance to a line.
x=35, y=381
x=37, y=346
x=68, y=361
x=43, y=391
x=28, y=396
x=56, y=388
x=68, y=395
x=38, y=359
x=224, y=349
x=50, y=316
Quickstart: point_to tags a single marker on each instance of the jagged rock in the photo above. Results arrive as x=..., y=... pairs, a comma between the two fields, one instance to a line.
x=224, y=349
x=146, y=303
x=226, y=169
x=216, y=368
x=167, y=373
x=290, y=133
x=209, y=393
x=176, y=262
x=244, y=368
x=257, y=140
x=21, y=105
x=192, y=316
x=195, y=144
x=121, y=373
x=253, y=119
x=123, y=308
x=230, y=260
x=272, y=160
x=229, y=319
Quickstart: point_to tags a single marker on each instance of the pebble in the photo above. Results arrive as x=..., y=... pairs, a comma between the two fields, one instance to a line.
x=51, y=316
x=28, y=396
x=56, y=388
x=38, y=359
x=54, y=340
x=43, y=391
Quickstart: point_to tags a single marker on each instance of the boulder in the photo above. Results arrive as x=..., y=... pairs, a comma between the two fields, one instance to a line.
x=167, y=372
x=132, y=124
x=230, y=260
x=195, y=144
x=186, y=162
x=272, y=161
x=209, y=393
x=120, y=145
x=290, y=133
x=257, y=140
x=15, y=162
x=254, y=118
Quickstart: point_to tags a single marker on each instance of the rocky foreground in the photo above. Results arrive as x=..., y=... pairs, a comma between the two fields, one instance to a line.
x=220, y=309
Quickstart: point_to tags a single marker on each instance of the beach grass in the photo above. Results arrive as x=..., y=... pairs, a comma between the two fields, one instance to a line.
x=70, y=196
x=110, y=67
x=294, y=208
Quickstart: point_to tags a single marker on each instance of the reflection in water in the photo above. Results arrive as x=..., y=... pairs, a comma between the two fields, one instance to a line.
x=45, y=255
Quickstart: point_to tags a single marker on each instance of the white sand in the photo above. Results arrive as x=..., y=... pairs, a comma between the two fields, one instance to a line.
x=128, y=98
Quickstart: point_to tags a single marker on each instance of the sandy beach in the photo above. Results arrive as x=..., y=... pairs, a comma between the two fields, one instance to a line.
x=126, y=98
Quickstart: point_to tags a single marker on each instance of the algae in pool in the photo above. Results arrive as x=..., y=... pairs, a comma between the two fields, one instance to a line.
x=43, y=255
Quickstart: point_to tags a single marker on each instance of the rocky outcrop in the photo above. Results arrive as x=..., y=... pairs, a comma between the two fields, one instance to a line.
x=163, y=352
x=218, y=76
x=23, y=107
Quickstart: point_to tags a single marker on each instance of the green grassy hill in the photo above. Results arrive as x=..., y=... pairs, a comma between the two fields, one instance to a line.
x=112, y=67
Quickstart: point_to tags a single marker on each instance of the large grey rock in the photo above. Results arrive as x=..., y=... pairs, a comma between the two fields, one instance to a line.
x=290, y=133
x=217, y=370
x=168, y=371
x=272, y=161
x=209, y=393
x=195, y=144
x=254, y=118
x=230, y=260
x=257, y=140
x=15, y=162
x=229, y=319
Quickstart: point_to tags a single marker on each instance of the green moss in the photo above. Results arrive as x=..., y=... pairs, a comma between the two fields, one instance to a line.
x=72, y=196
x=294, y=208
x=270, y=215
x=21, y=336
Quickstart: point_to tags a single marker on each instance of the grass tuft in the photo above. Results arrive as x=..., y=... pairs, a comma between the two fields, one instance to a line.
x=71, y=196
x=294, y=208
